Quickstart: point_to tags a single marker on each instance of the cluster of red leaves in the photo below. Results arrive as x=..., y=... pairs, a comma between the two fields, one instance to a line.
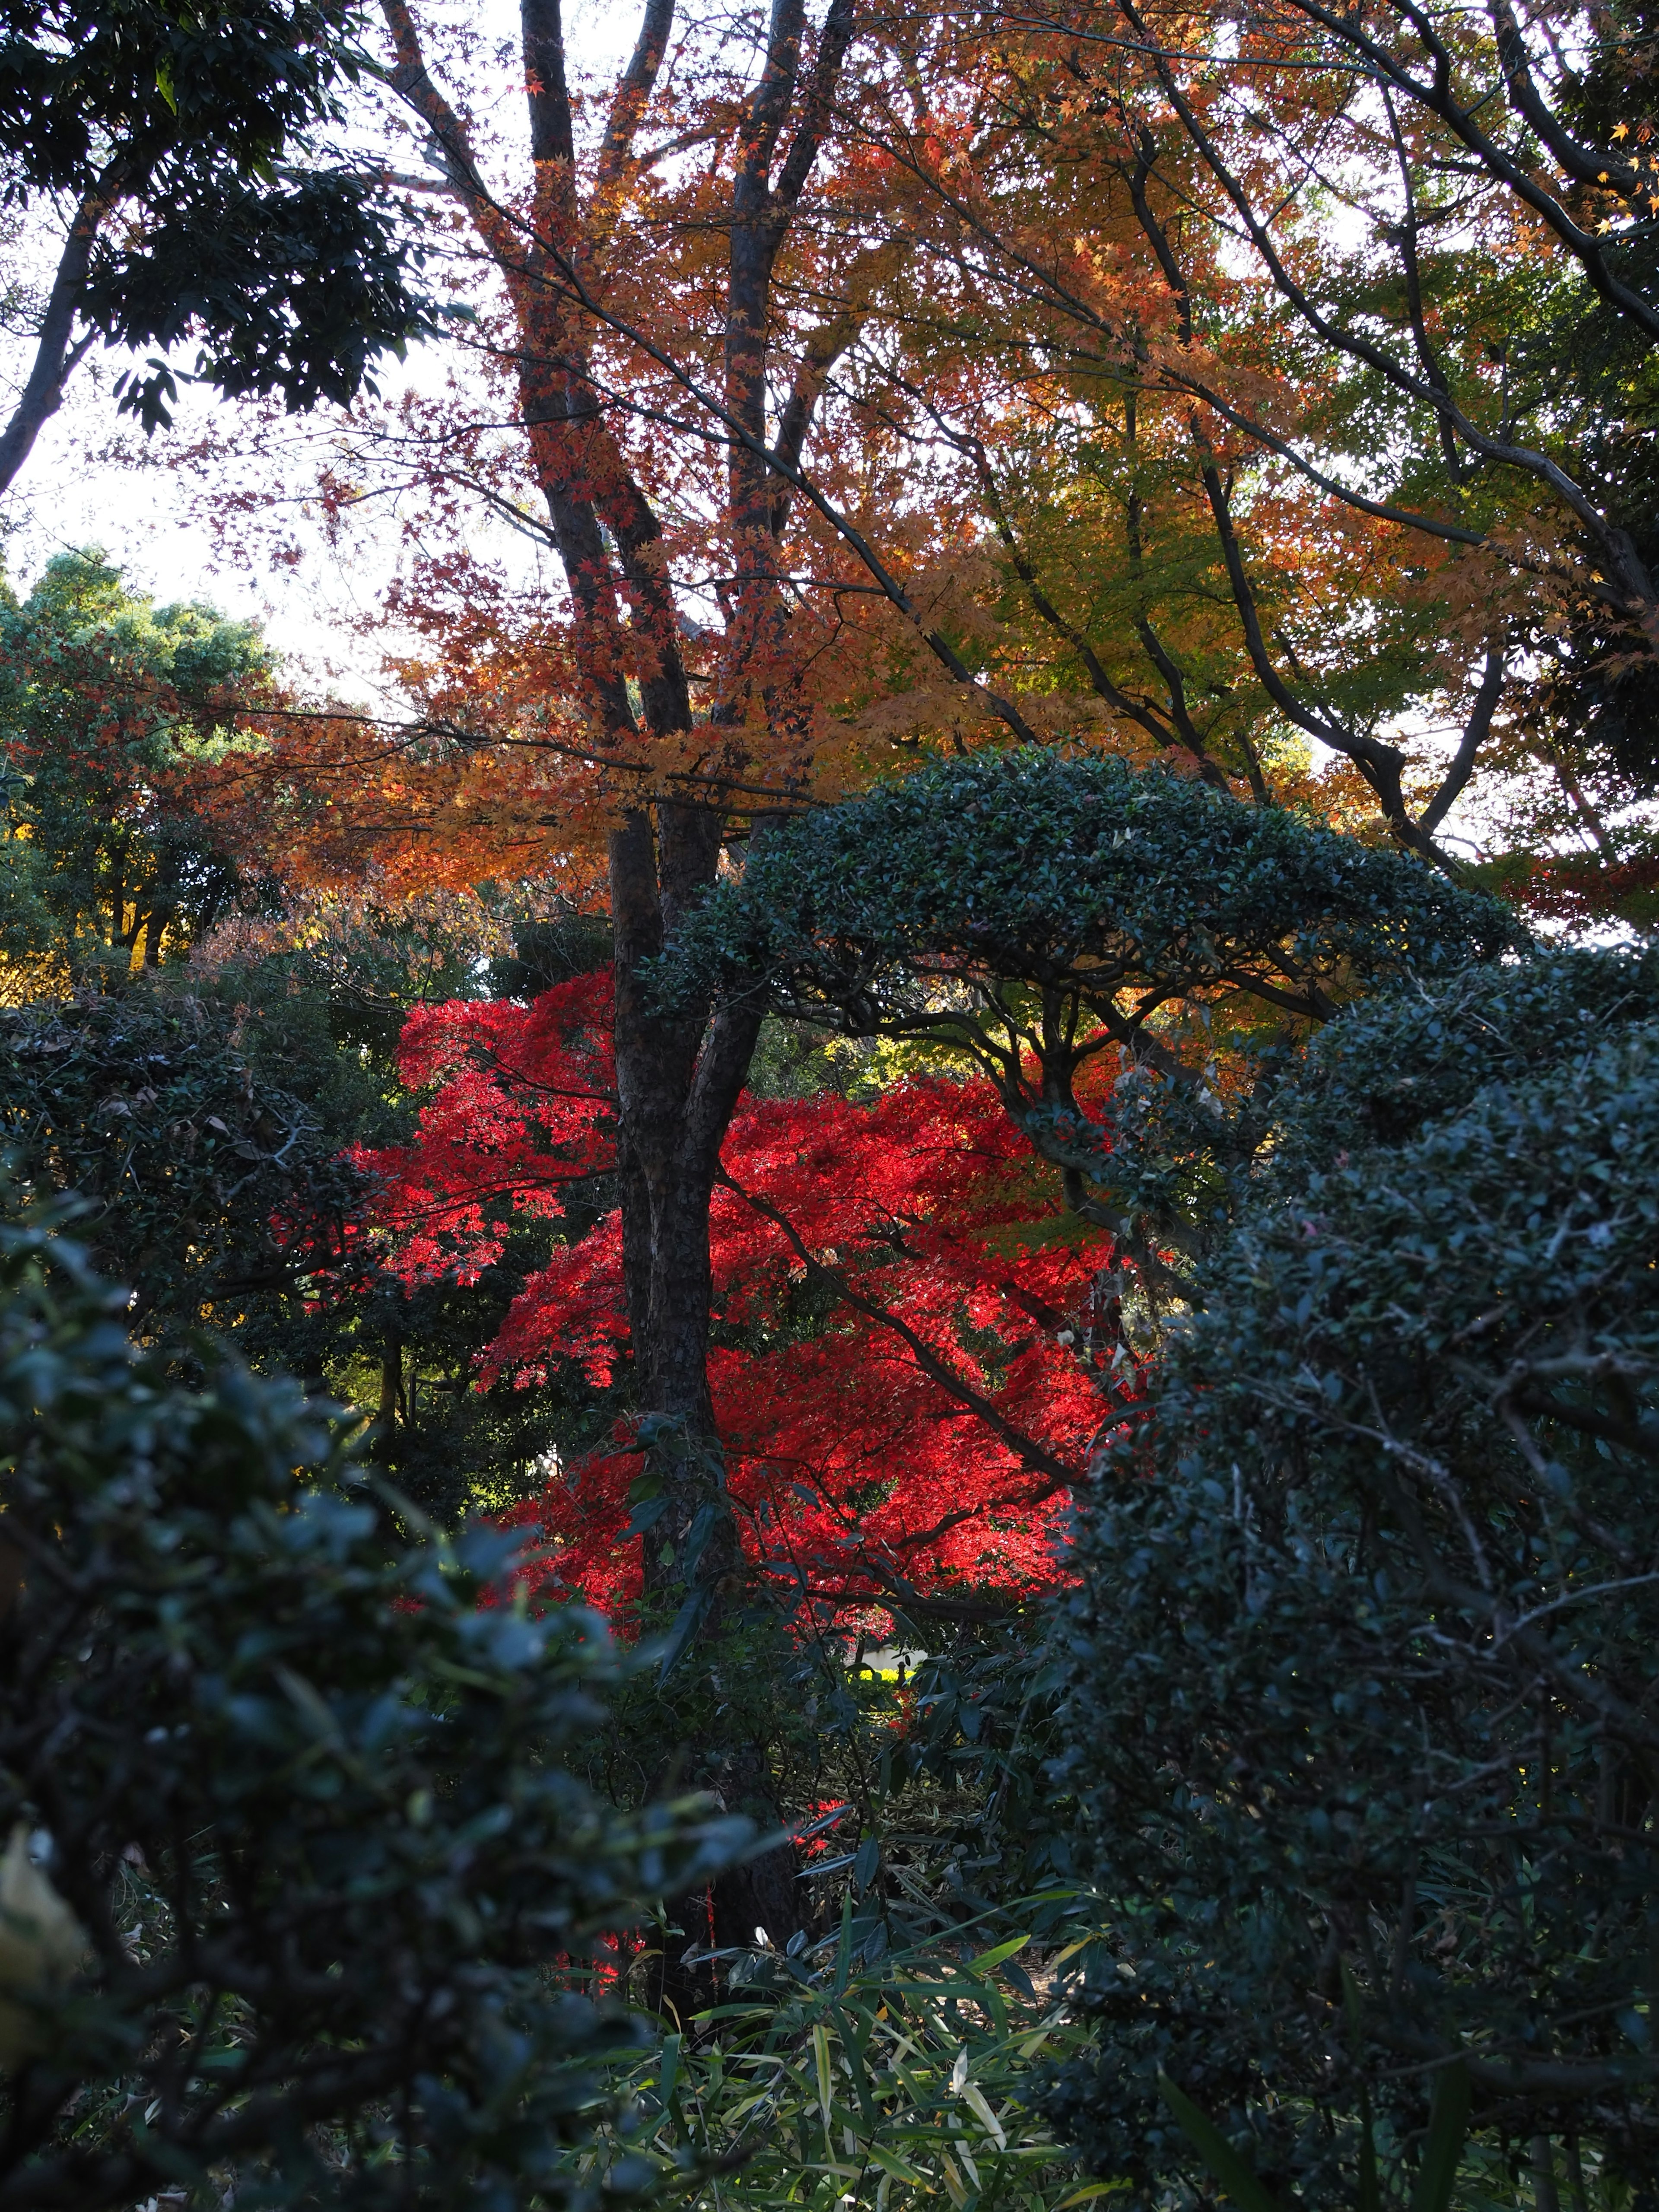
x=903, y=1369
x=523, y=1100
x=1585, y=890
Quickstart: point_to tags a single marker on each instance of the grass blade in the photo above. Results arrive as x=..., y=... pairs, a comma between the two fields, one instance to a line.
x=1449, y=2122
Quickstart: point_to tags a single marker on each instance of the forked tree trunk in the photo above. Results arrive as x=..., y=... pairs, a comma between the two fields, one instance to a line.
x=678, y=1077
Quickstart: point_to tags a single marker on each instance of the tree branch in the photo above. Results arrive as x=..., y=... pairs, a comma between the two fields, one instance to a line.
x=56, y=352
x=1030, y=1453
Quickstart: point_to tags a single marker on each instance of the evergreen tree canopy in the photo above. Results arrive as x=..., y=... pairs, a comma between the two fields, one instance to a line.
x=1079, y=877
x=107, y=704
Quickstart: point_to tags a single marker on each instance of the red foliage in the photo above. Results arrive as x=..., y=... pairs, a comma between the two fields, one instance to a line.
x=521, y=1110
x=905, y=1367
x=1584, y=889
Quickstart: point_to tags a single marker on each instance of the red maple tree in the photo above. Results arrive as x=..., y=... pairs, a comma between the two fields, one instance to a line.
x=915, y=1347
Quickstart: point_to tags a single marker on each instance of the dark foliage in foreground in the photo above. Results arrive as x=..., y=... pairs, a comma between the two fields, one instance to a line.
x=306, y=1793
x=1364, y=1673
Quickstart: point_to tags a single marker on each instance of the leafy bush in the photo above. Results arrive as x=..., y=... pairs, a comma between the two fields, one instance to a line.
x=820, y=2081
x=304, y=1780
x=1395, y=1063
x=1364, y=1676
x=1190, y=1161
x=210, y=1188
x=1076, y=876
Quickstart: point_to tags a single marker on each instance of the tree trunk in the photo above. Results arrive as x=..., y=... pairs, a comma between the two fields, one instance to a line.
x=678, y=1077
x=57, y=349
x=391, y=1393
x=676, y=1102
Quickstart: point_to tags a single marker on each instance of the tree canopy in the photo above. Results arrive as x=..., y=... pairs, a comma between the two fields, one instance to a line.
x=1030, y=912
x=111, y=709
x=180, y=141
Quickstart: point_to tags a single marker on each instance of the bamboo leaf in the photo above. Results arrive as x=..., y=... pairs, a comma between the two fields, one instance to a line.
x=672, y=2047
x=987, y=1960
x=974, y=2098
x=901, y=2169
x=1218, y=2153
x=844, y=1948
x=1449, y=2122
x=1370, y=2189
x=821, y=2060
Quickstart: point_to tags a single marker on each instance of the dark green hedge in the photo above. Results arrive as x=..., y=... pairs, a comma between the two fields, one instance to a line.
x=1365, y=1704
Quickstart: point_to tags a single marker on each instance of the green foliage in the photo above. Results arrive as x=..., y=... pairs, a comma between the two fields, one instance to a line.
x=1077, y=876
x=212, y=1191
x=878, y=2055
x=290, y=273
x=306, y=1789
x=105, y=699
x=1437, y=2177
x=1186, y=1160
x=554, y=946
x=818, y=2080
x=1028, y=911
x=1396, y=1063
x=207, y=1125
x=1364, y=1665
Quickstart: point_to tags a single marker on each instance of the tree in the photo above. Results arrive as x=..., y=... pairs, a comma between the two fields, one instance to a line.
x=1362, y=1667
x=681, y=392
x=679, y=1080
x=182, y=145
x=908, y=1361
x=726, y=328
x=752, y=607
x=1125, y=268
x=108, y=706
x=1069, y=926
x=301, y=1774
x=678, y=726
x=1033, y=912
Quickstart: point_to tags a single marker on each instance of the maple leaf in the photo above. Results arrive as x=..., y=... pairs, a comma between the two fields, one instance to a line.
x=911, y=1426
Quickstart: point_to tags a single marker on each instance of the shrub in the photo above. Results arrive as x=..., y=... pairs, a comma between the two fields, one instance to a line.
x=1363, y=1672
x=207, y=1187
x=301, y=1773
